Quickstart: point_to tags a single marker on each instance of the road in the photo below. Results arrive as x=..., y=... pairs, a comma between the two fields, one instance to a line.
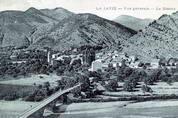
x=42, y=104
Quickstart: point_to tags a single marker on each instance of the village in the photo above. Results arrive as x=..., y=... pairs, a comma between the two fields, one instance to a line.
x=35, y=75
x=77, y=61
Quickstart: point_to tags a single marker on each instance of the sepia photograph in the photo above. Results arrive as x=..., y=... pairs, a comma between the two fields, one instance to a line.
x=88, y=58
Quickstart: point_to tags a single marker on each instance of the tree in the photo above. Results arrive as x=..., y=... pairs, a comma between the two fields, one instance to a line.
x=123, y=72
x=98, y=74
x=112, y=85
x=119, y=46
x=131, y=81
x=88, y=55
x=128, y=71
x=61, y=84
x=154, y=77
x=60, y=70
x=146, y=88
x=120, y=74
x=76, y=63
x=85, y=82
x=67, y=60
x=128, y=86
x=47, y=85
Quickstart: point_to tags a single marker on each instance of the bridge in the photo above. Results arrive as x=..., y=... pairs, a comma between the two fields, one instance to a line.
x=45, y=102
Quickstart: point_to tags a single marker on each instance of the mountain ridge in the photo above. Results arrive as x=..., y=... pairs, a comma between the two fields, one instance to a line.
x=81, y=29
x=133, y=22
x=158, y=39
x=59, y=28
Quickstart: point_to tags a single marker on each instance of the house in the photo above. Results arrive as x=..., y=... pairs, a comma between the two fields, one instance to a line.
x=96, y=65
x=135, y=65
x=98, y=88
x=154, y=63
x=172, y=62
x=76, y=57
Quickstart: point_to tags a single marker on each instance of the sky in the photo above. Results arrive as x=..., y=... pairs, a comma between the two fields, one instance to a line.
x=109, y=9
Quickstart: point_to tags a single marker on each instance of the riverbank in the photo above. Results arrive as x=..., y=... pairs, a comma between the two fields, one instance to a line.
x=114, y=109
x=119, y=109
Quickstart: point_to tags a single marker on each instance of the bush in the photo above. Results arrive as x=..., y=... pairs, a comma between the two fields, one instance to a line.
x=30, y=98
x=11, y=97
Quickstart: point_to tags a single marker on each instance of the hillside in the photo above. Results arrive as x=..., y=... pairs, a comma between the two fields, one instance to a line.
x=133, y=22
x=79, y=30
x=16, y=27
x=159, y=39
x=59, y=29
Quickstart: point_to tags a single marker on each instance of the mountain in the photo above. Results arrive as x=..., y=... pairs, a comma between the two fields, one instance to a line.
x=37, y=13
x=57, y=13
x=159, y=39
x=16, y=27
x=59, y=29
x=133, y=22
x=81, y=29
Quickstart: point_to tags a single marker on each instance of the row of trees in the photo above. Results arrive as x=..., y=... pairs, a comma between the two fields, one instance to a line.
x=131, y=77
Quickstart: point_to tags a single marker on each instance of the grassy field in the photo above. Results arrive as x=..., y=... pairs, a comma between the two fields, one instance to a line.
x=160, y=88
x=117, y=110
x=19, y=90
x=12, y=109
x=37, y=79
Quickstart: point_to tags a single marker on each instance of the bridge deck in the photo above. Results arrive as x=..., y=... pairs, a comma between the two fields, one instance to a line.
x=42, y=104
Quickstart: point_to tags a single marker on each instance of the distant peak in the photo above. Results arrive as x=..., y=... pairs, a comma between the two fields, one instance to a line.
x=32, y=9
x=163, y=16
x=175, y=13
x=60, y=8
x=126, y=16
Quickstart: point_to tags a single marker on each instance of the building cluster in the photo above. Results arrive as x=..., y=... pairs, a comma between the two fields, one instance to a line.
x=115, y=59
x=105, y=59
x=97, y=61
x=87, y=57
